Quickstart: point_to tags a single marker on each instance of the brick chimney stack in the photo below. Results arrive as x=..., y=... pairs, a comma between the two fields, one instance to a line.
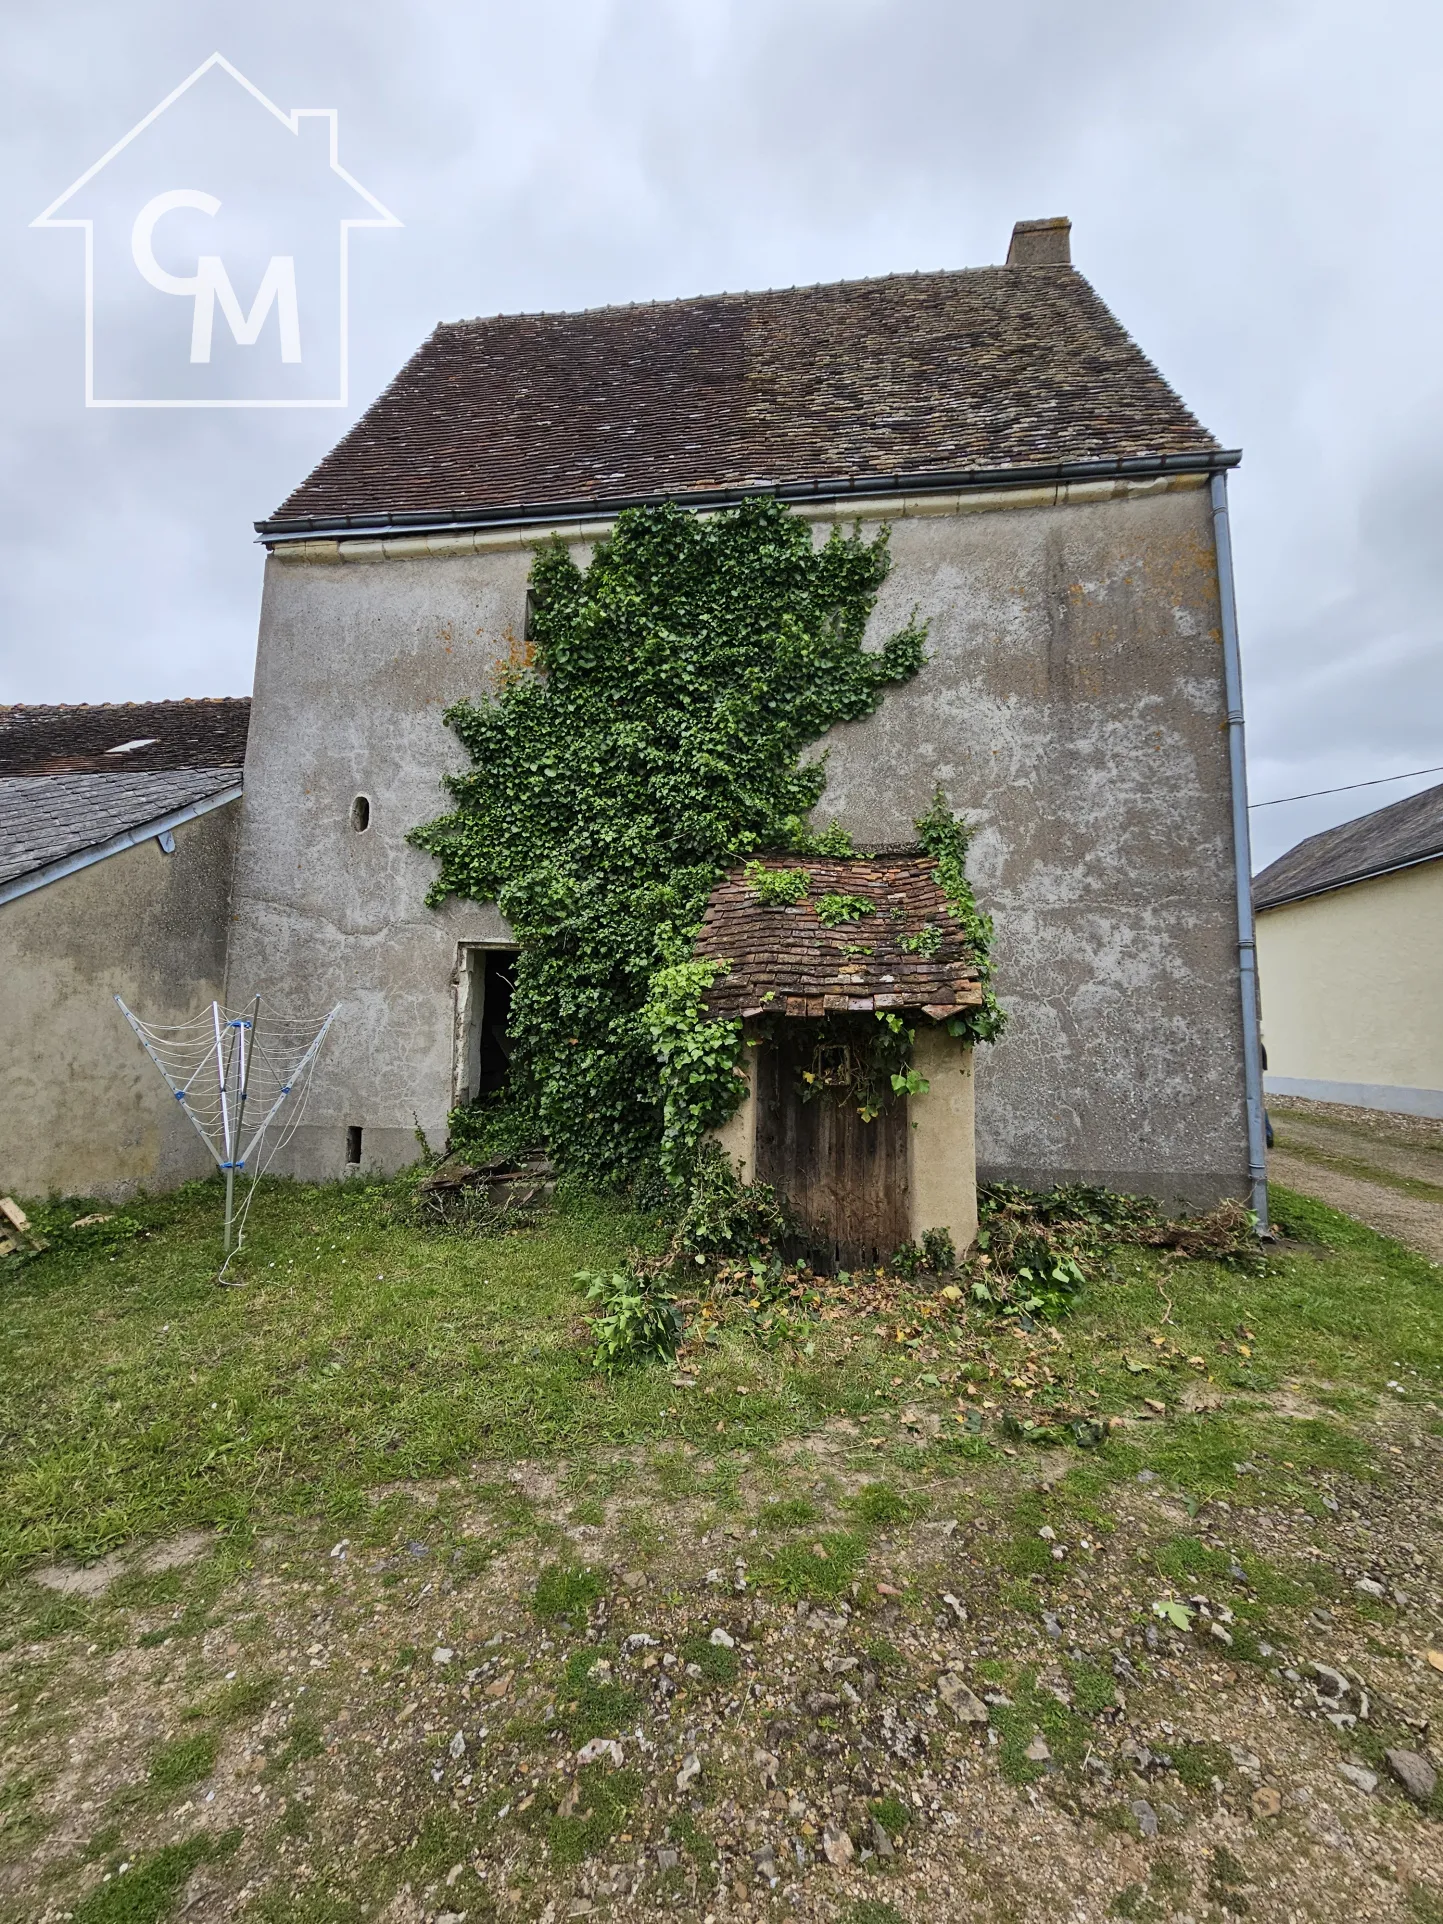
x=1041, y=243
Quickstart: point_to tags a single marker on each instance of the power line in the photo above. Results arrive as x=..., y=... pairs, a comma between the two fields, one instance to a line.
x=1377, y=782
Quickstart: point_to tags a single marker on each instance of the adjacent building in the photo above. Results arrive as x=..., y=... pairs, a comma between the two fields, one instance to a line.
x=118, y=830
x=1350, y=953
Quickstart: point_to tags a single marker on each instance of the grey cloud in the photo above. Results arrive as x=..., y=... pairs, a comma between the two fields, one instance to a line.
x=1251, y=185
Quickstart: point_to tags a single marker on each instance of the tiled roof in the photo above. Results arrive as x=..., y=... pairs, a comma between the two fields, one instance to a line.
x=36, y=740
x=936, y=375
x=1394, y=837
x=45, y=818
x=785, y=961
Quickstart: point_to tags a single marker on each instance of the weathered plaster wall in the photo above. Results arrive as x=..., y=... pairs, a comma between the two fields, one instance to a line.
x=1352, y=990
x=1072, y=706
x=1073, y=709
x=82, y=1110
x=355, y=666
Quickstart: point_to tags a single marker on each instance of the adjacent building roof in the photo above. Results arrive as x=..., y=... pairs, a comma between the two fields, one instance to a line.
x=928, y=379
x=114, y=736
x=1398, y=836
x=80, y=783
x=786, y=961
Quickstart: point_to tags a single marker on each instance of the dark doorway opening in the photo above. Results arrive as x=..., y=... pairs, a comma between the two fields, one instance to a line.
x=493, y=1067
x=485, y=982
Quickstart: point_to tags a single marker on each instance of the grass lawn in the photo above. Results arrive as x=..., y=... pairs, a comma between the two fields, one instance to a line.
x=398, y=1440
x=138, y=1397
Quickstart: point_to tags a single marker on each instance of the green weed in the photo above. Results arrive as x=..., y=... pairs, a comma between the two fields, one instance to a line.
x=892, y=1814
x=873, y=1910
x=1198, y=1763
x=879, y=1505
x=823, y=1569
x=183, y=1762
x=717, y=1664
x=145, y=1892
x=787, y=1513
x=606, y=1800
x=303, y=1739
x=593, y=1705
x=566, y=1590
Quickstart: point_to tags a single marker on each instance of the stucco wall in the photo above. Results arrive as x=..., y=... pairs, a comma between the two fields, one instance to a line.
x=82, y=1110
x=1072, y=706
x=1073, y=709
x=941, y=1140
x=355, y=665
x=1352, y=991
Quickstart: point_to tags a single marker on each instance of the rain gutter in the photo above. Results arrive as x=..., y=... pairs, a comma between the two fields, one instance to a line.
x=1209, y=461
x=1242, y=856
x=40, y=878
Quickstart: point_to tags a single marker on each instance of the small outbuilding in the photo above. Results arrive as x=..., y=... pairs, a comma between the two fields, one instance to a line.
x=118, y=829
x=814, y=982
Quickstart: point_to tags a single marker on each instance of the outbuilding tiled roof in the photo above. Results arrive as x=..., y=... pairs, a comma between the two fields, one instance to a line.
x=786, y=961
x=45, y=818
x=928, y=377
x=111, y=737
x=1394, y=837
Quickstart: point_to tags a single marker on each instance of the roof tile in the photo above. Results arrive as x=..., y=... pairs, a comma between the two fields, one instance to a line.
x=786, y=959
x=72, y=738
x=1394, y=837
x=45, y=818
x=908, y=375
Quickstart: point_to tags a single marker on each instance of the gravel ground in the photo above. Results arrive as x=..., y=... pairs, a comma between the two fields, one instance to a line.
x=1043, y=1698
x=1327, y=1151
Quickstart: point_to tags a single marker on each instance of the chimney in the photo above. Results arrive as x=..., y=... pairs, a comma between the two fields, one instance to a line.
x=1041, y=243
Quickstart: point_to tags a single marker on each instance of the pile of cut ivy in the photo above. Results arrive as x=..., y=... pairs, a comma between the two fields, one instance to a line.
x=656, y=741
x=737, y=1258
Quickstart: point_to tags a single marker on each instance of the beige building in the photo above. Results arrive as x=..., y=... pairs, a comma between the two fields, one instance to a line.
x=118, y=827
x=1350, y=959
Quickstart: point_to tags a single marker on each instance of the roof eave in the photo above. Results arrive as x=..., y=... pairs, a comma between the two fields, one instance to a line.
x=1203, y=461
x=56, y=871
x=1261, y=905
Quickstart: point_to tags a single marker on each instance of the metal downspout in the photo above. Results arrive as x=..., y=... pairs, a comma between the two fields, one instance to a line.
x=1242, y=854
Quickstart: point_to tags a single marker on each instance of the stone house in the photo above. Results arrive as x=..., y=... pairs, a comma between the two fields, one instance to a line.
x=118, y=827
x=1058, y=519
x=1371, y=888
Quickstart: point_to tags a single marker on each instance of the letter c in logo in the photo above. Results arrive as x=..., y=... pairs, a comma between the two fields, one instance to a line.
x=141, y=250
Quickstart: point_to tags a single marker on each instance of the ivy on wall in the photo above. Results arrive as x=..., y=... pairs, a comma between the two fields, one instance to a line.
x=656, y=740
x=944, y=836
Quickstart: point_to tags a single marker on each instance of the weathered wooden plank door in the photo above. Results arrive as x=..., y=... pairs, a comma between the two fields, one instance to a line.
x=846, y=1179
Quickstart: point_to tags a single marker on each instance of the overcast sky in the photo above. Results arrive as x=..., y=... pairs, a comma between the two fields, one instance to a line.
x=1253, y=188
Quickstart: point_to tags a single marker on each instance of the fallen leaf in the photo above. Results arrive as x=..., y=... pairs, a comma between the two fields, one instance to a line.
x=1173, y=1612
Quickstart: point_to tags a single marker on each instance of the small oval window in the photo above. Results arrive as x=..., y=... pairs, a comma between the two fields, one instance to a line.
x=361, y=814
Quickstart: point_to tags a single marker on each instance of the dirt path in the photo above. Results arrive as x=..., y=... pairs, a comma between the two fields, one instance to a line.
x=633, y=1716
x=1387, y=1171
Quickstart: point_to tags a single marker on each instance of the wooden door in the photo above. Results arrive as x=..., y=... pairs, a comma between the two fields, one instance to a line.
x=845, y=1179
